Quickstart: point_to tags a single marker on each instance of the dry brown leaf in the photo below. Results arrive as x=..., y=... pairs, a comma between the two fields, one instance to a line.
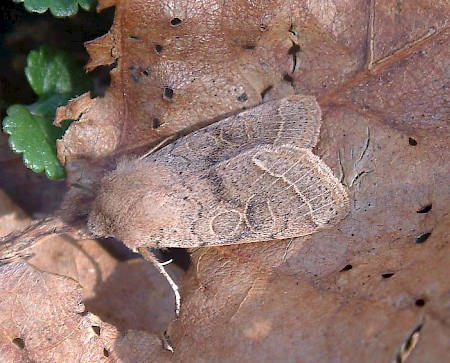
x=374, y=288
x=43, y=316
x=172, y=78
x=130, y=294
x=43, y=319
x=47, y=316
x=11, y=216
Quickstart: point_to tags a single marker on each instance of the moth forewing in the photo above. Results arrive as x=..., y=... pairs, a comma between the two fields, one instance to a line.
x=268, y=192
x=248, y=178
x=294, y=120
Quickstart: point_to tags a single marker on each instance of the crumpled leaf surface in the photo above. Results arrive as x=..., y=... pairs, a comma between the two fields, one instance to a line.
x=48, y=304
x=171, y=78
x=43, y=320
x=373, y=288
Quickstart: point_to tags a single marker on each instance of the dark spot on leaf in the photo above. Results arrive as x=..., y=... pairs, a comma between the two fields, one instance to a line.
x=158, y=48
x=266, y=91
x=242, y=98
x=294, y=49
x=423, y=237
x=19, y=343
x=412, y=141
x=425, y=209
x=168, y=93
x=135, y=78
x=96, y=329
x=288, y=78
x=346, y=268
x=387, y=275
x=105, y=352
x=420, y=302
x=146, y=72
x=156, y=122
x=175, y=22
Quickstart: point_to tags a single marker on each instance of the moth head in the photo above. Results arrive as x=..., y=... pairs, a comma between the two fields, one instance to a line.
x=133, y=203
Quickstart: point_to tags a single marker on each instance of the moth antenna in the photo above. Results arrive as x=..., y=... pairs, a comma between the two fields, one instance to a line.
x=163, y=143
x=14, y=245
x=149, y=256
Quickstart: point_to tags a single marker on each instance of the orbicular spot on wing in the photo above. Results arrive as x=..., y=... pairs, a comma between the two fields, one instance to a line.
x=226, y=223
x=258, y=215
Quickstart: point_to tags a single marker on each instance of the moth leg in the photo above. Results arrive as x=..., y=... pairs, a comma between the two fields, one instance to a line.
x=166, y=343
x=149, y=256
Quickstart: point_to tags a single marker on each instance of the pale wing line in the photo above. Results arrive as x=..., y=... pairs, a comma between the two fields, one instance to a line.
x=304, y=190
x=293, y=184
x=330, y=187
x=207, y=170
x=267, y=170
x=277, y=178
x=306, y=200
x=311, y=211
x=284, y=174
x=310, y=171
x=299, y=192
x=321, y=207
x=281, y=127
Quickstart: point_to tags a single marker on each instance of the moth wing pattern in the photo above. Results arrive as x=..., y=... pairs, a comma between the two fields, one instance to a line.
x=247, y=178
x=268, y=192
x=294, y=120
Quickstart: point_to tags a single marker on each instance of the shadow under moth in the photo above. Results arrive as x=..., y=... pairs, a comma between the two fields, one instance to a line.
x=251, y=177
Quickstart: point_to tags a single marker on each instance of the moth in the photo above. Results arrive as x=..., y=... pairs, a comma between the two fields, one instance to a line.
x=248, y=178
x=251, y=177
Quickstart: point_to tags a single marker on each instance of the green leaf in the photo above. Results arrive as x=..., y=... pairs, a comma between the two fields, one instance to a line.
x=55, y=78
x=58, y=8
x=49, y=72
x=35, y=137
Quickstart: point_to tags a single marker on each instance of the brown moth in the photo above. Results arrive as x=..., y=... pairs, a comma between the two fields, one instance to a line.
x=248, y=178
